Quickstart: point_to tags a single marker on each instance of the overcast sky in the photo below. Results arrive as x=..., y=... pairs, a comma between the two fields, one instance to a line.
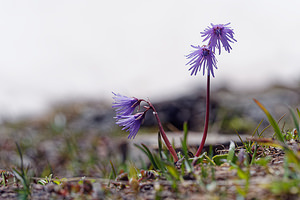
x=60, y=50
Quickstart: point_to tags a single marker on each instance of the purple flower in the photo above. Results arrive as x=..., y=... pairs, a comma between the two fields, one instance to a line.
x=132, y=123
x=124, y=105
x=217, y=34
x=202, y=56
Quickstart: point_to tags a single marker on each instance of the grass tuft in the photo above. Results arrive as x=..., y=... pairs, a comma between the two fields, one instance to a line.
x=272, y=121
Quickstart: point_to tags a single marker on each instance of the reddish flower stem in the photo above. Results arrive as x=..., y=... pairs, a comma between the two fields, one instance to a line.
x=163, y=134
x=206, y=118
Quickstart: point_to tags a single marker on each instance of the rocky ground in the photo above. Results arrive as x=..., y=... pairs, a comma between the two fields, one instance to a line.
x=219, y=182
x=80, y=140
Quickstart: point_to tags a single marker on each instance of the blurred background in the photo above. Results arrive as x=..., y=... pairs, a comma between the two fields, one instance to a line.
x=54, y=51
x=61, y=60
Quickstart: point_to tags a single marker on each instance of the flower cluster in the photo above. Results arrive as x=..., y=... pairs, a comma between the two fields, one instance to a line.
x=124, y=107
x=204, y=55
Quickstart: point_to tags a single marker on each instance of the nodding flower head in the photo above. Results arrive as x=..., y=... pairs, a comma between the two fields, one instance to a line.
x=124, y=105
x=202, y=56
x=131, y=123
x=218, y=34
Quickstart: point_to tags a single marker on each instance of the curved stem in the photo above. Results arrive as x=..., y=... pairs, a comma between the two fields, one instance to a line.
x=206, y=118
x=163, y=134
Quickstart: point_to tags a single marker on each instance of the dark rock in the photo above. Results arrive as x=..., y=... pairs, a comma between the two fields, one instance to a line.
x=190, y=109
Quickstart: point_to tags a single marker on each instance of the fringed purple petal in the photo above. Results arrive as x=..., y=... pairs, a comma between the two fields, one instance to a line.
x=217, y=34
x=202, y=56
x=131, y=123
x=124, y=105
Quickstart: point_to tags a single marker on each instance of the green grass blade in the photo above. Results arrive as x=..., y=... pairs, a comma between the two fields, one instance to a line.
x=173, y=172
x=113, y=169
x=159, y=162
x=260, y=134
x=240, y=138
x=298, y=112
x=21, y=157
x=185, y=133
x=159, y=145
x=257, y=128
x=19, y=175
x=148, y=153
x=271, y=121
x=184, y=145
x=220, y=159
x=184, y=149
x=210, y=160
x=143, y=150
x=244, y=144
x=22, y=176
x=254, y=155
x=296, y=123
x=188, y=163
x=148, y=150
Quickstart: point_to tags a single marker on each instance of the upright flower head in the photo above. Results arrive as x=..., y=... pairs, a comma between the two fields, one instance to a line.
x=124, y=105
x=218, y=34
x=202, y=56
x=131, y=123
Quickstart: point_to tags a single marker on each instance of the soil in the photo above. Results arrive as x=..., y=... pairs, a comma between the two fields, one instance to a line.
x=219, y=182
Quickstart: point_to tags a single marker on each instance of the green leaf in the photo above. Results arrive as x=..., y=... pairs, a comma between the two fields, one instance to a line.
x=231, y=153
x=113, y=169
x=173, y=171
x=296, y=123
x=257, y=128
x=185, y=133
x=188, y=165
x=199, y=159
x=185, y=149
x=241, y=191
x=283, y=186
x=184, y=141
x=263, y=161
x=272, y=121
x=242, y=174
x=21, y=157
x=22, y=177
x=57, y=182
x=42, y=182
x=133, y=172
x=209, y=160
x=254, y=154
x=148, y=153
x=244, y=144
x=159, y=145
x=292, y=156
x=159, y=162
x=220, y=159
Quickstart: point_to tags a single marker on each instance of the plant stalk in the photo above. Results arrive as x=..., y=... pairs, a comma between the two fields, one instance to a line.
x=163, y=134
x=206, y=118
